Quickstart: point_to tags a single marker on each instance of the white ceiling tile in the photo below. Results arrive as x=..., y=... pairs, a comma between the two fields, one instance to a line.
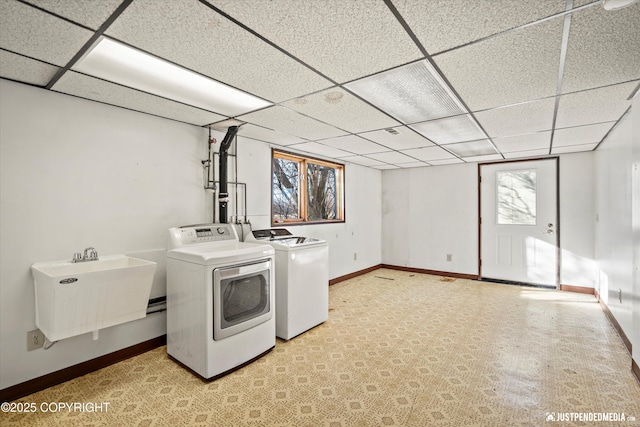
x=446, y=162
x=596, y=105
x=89, y=13
x=413, y=165
x=428, y=154
x=267, y=135
x=109, y=93
x=341, y=109
x=506, y=69
x=22, y=69
x=404, y=139
x=518, y=119
x=581, y=135
x=383, y=167
x=291, y=122
x=344, y=40
x=472, y=148
x=323, y=150
x=486, y=158
x=394, y=157
x=362, y=161
x=533, y=141
x=193, y=35
x=527, y=154
x=450, y=130
x=573, y=148
x=37, y=34
x=412, y=93
x=603, y=48
x=354, y=144
x=444, y=24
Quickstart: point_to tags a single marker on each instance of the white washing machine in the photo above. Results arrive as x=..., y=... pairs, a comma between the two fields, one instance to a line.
x=302, y=280
x=220, y=299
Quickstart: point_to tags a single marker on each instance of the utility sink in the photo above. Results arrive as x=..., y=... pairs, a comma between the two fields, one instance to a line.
x=76, y=298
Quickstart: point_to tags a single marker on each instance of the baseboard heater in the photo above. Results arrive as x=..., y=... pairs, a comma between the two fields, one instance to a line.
x=157, y=304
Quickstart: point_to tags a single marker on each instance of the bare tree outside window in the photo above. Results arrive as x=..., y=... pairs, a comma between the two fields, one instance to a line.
x=286, y=179
x=305, y=189
x=517, y=197
x=321, y=192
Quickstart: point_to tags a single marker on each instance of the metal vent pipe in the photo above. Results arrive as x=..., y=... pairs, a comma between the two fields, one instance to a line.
x=223, y=195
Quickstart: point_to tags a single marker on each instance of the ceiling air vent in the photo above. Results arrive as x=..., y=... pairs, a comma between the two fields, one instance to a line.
x=392, y=131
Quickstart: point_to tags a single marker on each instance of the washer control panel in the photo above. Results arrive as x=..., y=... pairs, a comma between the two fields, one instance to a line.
x=205, y=233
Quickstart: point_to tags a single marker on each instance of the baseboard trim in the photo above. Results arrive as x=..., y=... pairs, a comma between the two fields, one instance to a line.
x=614, y=322
x=354, y=274
x=38, y=384
x=578, y=289
x=432, y=272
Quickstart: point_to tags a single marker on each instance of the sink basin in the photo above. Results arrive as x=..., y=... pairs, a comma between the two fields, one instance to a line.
x=76, y=298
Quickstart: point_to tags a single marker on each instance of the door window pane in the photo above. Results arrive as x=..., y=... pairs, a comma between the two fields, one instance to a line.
x=516, y=197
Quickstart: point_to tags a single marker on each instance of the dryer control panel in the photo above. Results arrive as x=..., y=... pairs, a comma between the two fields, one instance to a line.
x=203, y=233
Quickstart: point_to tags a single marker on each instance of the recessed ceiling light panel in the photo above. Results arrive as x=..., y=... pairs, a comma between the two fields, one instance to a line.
x=118, y=63
x=451, y=130
x=412, y=93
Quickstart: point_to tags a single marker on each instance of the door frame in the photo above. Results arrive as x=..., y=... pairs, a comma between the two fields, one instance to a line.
x=558, y=233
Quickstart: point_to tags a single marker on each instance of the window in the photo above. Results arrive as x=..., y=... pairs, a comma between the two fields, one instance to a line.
x=517, y=197
x=306, y=190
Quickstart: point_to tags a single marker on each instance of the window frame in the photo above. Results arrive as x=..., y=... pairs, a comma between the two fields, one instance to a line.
x=302, y=160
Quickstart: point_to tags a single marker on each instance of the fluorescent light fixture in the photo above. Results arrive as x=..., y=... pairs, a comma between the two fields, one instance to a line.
x=411, y=93
x=118, y=63
x=451, y=130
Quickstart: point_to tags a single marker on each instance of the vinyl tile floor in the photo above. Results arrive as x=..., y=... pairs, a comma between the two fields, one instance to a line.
x=399, y=348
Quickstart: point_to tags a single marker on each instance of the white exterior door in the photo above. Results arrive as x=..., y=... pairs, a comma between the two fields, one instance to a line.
x=518, y=222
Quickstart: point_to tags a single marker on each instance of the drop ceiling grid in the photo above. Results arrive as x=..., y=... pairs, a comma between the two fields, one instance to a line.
x=193, y=35
x=534, y=141
x=284, y=120
x=581, y=135
x=323, y=150
x=354, y=144
x=39, y=35
x=518, y=119
x=268, y=135
x=331, y=36
x=393, y=157
x=405, y=139
x=23, y=69
x=428, y=154
x=507, y=69
x=362, y=161
x=596, y=105
x=88, y=13
x=341, y=109
x=603, y=48
x=445, y=24
x=99, y=90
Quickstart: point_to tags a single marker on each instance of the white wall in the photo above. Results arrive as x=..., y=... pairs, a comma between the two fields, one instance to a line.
x=614, y=236
x=433, y=211
x=428, y=213
x=76, y=173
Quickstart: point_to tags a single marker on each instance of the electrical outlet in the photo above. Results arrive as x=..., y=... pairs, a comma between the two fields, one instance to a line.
x=449, y=257
x=355, y=256
x=35, y=340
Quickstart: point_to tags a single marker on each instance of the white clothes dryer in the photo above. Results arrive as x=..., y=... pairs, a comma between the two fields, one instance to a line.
x=302, y=280
x=220, y=299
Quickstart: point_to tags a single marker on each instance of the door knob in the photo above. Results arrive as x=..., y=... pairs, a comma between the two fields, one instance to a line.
x=549, y=231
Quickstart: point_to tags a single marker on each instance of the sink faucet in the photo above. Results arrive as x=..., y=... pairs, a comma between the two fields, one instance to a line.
x=90, y=254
